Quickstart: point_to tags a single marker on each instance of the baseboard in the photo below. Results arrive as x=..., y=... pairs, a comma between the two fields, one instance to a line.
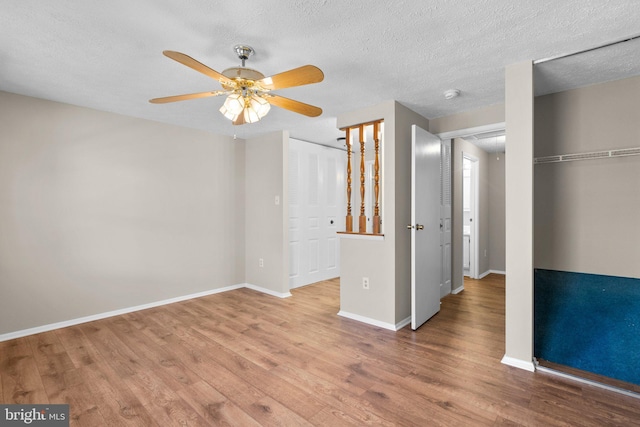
x=504, y=273
x=73, y=322
x=457, y=290
x=401, y=324
x=518, y=363
x=485, y=274
x=368, y=320
x=93, y=317
x=267, y=291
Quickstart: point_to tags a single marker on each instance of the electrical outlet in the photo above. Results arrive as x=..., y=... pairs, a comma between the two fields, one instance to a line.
x=485, y=253
x=365, y=283
x=261, y=262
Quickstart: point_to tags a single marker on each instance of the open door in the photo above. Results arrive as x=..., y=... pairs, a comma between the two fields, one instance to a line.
x=426, y=264
x=446, y=220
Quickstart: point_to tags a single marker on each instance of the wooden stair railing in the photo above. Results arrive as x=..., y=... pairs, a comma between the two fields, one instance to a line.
x=362, y=219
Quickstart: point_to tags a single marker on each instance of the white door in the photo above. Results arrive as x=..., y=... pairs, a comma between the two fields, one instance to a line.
x=316, y=199
x=426, y=265
x=446, y=220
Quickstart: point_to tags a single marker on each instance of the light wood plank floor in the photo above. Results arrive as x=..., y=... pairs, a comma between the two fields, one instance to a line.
x=243, y=358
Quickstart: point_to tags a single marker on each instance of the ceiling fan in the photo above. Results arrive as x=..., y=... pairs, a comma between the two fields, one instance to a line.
x=248, y=91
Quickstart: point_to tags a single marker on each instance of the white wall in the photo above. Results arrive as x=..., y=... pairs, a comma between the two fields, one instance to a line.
x=100, y=212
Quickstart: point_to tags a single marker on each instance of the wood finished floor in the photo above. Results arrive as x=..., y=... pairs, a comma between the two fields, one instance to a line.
x=243, y=358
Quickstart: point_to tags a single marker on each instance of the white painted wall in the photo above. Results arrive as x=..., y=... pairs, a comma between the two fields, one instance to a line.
x=100, y=212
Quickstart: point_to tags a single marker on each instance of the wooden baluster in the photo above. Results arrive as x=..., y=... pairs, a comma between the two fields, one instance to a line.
x=376, y=188
x=363, y=218
x=349, y=219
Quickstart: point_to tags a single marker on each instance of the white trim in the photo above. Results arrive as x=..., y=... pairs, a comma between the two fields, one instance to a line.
x=401, y=324
x=370, y=321
x=457, y=290
x=357, y=236
x=93, y=317
x=485, y=274
x=504, y=273
x=461, y=133
x=268, y=291
x=518, y=363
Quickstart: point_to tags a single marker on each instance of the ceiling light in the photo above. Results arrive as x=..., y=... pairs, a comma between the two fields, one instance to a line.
x=233, y=106
x=260, y=105
x=452, y=93
x=253, y=107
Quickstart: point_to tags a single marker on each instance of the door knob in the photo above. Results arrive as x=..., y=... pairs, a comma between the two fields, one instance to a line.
x=409, y=226
x=419, y=227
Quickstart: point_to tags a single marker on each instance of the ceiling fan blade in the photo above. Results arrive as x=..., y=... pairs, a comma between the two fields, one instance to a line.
x=198, y=66
x=304, y=75
x=186, y=96
x=240, y=119
x=295, y=106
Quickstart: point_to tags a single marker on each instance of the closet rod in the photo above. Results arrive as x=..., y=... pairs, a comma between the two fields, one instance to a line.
x=565, y=55
x=622, y=152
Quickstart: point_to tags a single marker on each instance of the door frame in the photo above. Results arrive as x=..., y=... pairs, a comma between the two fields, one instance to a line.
x=474, y=188
x=462, y=133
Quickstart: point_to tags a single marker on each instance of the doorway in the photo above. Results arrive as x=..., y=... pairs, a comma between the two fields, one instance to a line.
x=470, y=217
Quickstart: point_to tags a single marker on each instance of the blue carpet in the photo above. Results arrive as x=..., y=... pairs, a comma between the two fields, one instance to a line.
x=589, y=322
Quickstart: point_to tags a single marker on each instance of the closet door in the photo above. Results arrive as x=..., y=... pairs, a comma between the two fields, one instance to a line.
x=316, y=200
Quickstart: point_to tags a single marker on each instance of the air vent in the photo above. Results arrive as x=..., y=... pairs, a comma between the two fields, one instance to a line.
x=623, y=152
x=626, y=152
x=585, y=156
x=549, y=159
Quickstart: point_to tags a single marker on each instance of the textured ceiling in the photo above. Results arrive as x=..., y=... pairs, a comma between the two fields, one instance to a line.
x=107, y=55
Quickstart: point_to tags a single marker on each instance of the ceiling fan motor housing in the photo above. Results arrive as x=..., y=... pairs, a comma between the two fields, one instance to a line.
x=243, y=52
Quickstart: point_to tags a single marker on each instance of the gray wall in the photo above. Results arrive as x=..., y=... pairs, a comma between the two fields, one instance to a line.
x=386, y=263
x=586, y=212
x=100, y=212
x=372, y=259
x=496, y=165
x=519, y=100
x=266, y=223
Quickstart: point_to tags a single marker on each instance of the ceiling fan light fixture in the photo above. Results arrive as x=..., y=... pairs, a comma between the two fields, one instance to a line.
x=250, y=115
x=234, y=104
x=260, y=105
x=248, y=98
